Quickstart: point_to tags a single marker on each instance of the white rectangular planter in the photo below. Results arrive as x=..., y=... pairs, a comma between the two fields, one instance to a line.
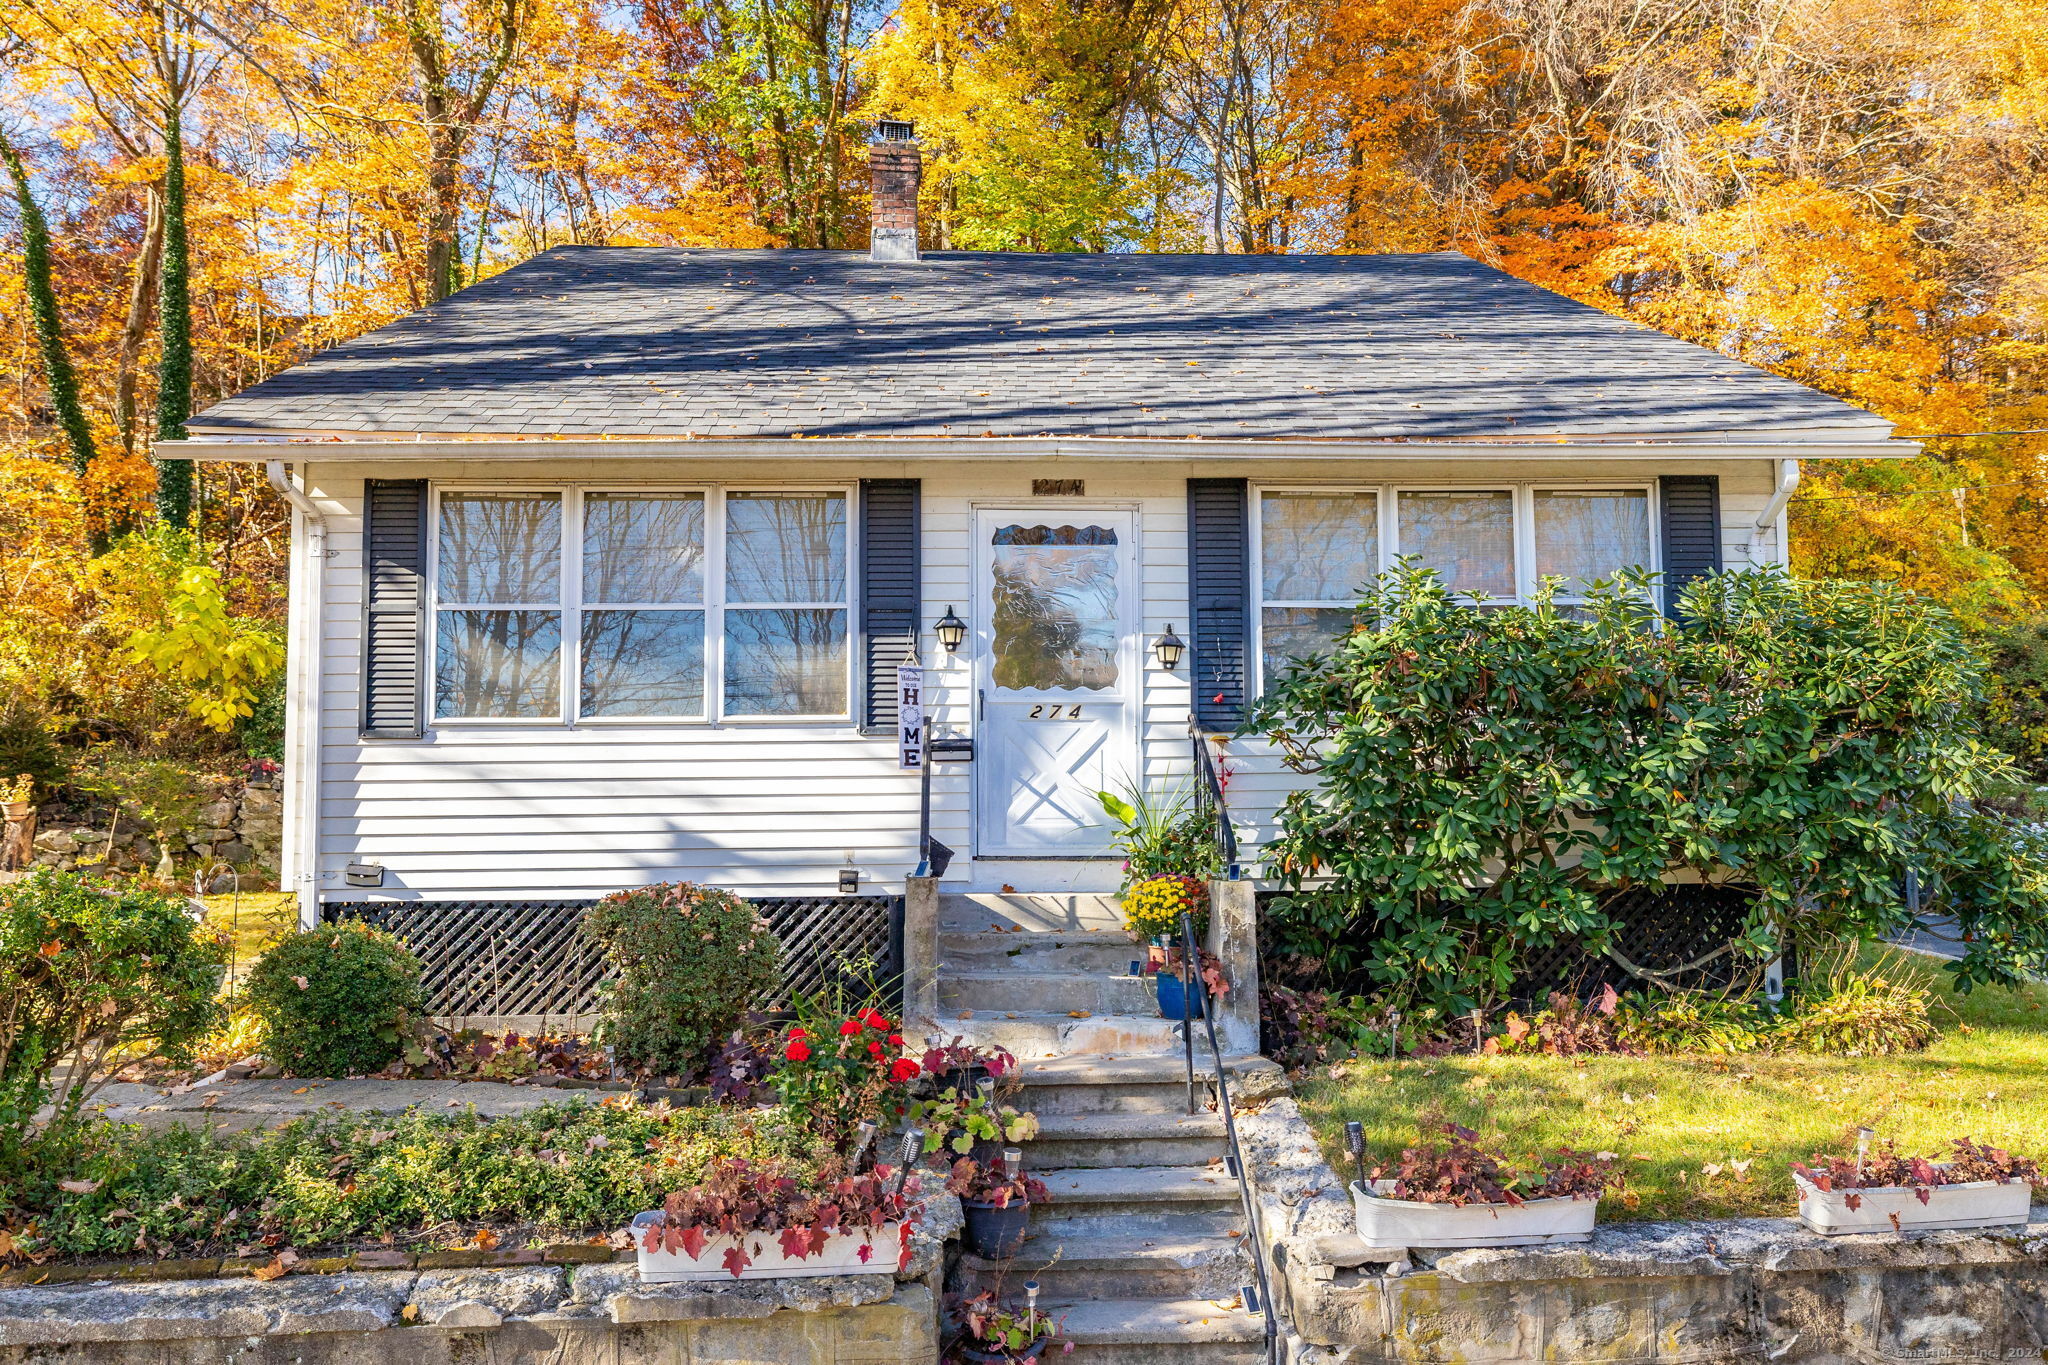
x=841, y=1256
x=1974, y=1204
x=1387, y=1222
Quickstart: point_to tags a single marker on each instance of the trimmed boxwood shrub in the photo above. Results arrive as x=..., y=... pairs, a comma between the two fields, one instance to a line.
x=685, y=961
x=335, y=1001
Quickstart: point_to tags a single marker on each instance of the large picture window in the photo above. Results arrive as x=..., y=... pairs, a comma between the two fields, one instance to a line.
x=623, y=605
x=1318, y=547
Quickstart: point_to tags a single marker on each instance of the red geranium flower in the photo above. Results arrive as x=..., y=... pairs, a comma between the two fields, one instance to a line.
x=874, y=1049
x=895, y=1040
x=849, y=1028
x=904, y=1069
x=798, y=1032
x=797, y=1051
x=875, y=1019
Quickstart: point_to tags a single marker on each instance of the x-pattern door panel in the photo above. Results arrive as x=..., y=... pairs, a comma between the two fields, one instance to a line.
x=1057, y=673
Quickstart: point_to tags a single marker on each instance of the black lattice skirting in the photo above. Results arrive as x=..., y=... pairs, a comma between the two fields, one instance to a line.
x=531, y=958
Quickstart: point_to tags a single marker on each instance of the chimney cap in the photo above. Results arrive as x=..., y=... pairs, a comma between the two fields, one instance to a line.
x=895, y=130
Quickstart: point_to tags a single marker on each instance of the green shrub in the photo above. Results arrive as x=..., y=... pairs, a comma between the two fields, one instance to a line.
x=96, y=973
x=161, y=795
x=335, y=1001
x=261, y=732
x=2015, y=709
x=685, y=962
x=1489, y=784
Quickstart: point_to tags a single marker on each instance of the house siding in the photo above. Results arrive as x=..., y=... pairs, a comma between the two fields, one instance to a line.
x=548, y=812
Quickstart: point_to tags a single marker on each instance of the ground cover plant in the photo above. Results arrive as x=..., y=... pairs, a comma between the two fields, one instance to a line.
x=414, y=1180
x=1714, y=1135
x=1490, y=783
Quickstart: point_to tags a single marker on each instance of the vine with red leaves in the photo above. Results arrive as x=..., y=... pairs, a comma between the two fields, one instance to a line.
x=752, y=1202
x=1887, y=1168
x=1460, y=1171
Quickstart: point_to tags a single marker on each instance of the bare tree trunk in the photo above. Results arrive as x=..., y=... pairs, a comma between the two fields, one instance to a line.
x=141, y=306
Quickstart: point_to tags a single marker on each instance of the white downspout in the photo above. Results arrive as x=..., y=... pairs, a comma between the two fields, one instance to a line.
x=1770, y=517
x=302, y=711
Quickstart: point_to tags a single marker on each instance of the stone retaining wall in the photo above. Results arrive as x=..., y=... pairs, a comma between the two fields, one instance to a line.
x=1703, y=1293
x=242, y=825
x=578, y=1314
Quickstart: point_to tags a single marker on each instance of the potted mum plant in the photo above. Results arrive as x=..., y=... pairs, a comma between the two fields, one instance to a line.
x=996, y=1198
x=770, y=1220
x=990, y=1332
x=1883, y=1191
x=1153, y=907
x=1454, y=1193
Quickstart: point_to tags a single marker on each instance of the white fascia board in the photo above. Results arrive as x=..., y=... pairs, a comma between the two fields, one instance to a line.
x=1820, y=444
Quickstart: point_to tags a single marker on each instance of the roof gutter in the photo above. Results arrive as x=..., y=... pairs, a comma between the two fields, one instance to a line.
x=302, y=715
x=370, y=447
x=1767, y=520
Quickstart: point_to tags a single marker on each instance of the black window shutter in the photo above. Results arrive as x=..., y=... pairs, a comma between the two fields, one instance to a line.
x=1219, y=598
x=889, y=610
x=394, y=607
x=1689, y=506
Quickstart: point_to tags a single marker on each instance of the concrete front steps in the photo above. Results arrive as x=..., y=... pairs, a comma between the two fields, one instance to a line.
x=1139, y=1252
x=1045, y=976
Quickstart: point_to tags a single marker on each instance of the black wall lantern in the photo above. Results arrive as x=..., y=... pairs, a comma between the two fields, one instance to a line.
x=950, y=629
x=1169, y=647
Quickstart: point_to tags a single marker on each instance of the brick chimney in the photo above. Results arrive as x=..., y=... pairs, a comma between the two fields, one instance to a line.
x=895, y=166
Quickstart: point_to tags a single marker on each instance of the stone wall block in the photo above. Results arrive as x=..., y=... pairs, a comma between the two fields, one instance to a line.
x=486, y=1298
x=1433, y=1318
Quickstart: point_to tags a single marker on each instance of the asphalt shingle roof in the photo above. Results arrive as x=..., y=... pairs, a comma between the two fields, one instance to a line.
x=649, y=341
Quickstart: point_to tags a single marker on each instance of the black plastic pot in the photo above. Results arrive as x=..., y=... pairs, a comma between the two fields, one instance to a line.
x=996, y=1233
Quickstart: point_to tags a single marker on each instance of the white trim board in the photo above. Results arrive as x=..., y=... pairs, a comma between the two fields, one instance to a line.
x=1817, y=445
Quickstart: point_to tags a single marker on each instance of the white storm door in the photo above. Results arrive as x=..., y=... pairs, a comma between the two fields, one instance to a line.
x=1057, y=672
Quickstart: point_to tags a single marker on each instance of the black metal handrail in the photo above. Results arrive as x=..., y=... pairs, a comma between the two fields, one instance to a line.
x=1209, y=787
x=1260, y=1299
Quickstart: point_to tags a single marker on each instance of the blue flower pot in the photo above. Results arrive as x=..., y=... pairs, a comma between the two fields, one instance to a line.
x=1170, y=992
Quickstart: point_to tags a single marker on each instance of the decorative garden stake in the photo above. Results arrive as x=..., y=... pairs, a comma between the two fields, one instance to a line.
x=1393, y=1034
x=1863, y=1137
x=1031, y=1305
x=1013, y=1162
x=866, y=1134
x=1478, y=1031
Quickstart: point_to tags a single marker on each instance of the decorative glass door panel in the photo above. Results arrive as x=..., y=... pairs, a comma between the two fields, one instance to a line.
x=1058, y=675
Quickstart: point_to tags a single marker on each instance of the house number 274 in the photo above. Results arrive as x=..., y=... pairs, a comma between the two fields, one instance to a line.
x=1056, y=711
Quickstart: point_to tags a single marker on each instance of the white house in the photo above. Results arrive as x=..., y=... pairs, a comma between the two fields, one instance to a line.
x=603, y=567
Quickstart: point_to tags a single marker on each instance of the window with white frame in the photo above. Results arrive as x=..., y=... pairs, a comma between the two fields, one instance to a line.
x=1319, y=546
x=624, y=605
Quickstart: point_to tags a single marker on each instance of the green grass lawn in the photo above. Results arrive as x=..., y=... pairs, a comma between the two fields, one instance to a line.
x=1680, y=1124
x=252, y=921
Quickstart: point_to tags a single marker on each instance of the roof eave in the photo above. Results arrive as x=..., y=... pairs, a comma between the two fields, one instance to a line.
x=1825, y=443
